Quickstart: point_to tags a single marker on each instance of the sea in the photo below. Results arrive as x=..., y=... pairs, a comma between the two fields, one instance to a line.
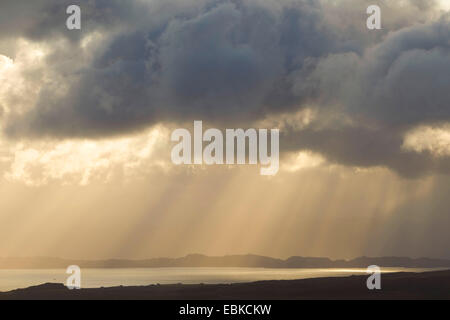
x=97, y=278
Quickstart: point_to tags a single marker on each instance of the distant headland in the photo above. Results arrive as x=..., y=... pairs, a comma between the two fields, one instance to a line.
x=245, y=261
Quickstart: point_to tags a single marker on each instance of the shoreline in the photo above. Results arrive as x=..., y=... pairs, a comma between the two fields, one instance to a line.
x=402, y=285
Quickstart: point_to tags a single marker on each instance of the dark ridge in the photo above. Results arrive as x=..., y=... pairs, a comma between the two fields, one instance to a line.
x=427, y=285
x=197, y=260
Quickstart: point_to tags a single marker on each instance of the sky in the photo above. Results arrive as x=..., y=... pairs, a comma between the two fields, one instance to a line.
x=86, y=118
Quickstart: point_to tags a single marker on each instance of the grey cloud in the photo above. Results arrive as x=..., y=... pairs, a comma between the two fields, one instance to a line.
x=233, y=62
x=402, y=80
x=394, y=86
x=226, y=62
x=360, y=146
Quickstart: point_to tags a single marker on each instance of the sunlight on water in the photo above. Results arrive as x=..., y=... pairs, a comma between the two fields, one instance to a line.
x=95, y=278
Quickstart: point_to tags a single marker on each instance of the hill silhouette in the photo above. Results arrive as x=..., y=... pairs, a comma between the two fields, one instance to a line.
x=249, y=261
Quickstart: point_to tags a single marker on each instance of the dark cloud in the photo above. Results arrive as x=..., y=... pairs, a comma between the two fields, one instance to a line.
x=227, y=61
x=403, y=80
x=398, y=84
x=234, y=62
x=360, y=146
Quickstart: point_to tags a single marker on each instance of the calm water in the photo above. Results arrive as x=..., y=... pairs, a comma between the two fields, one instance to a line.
x=95, y=278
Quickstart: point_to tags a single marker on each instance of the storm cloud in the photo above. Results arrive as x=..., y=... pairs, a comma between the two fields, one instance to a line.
x=233, y=63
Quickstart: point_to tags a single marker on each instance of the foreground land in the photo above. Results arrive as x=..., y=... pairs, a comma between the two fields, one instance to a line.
x=427, y=285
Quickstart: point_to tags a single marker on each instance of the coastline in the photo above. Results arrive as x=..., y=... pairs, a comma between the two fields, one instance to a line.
x=397, y=286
